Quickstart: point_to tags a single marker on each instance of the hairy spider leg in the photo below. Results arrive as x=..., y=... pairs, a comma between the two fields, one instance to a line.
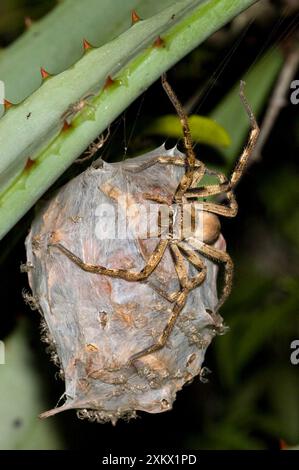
x=219, y=257
x=125, y=274
x=186, y=286
x=187, y=178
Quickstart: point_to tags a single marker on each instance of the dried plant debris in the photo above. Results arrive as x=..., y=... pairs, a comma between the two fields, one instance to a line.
x=99, y=322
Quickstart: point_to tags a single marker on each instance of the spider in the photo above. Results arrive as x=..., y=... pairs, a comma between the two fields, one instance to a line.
x=189, y=248
x=94, y=147
x=77, y=106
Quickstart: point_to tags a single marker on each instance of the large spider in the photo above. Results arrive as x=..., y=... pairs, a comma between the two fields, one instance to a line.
x=188, y=189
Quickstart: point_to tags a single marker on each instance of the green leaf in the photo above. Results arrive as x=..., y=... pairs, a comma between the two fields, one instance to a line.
x=204, y=130
x=256, y=329
x=239, y=312
x=252, y=327
x=284, y=397
x=55, y=42
x=21, y=392
x=223, y=436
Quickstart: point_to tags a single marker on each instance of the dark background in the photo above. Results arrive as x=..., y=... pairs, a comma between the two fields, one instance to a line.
x=249, y=403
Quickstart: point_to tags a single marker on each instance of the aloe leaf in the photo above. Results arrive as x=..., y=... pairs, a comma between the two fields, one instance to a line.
x=203, y=129
x=55, y=44
x=32, y=131
x=21, y=392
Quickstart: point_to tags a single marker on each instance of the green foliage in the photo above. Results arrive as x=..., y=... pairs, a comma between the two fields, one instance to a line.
x=283, y=210
x=21, y=392
x=203, y=130
x=252, y=361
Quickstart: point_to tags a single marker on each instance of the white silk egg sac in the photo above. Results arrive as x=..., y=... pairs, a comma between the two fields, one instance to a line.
x=96, y=322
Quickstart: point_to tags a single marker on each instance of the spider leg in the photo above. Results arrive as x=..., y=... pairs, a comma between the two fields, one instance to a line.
x=184, y=121
x=159, y=159
x=164, y=160
x=94, y=147
x=223, y=187
x=125, y=274
x=221, y=176
x=197, y=173
x=194, y=259
x=88, y=95
x=78, y=106
x=245, y=155
x=226, y=186
x=253, y=136
x=178, y=306
x=209, y=190
x=156, y=198
x=172, y=297
x=221, y=257
x=181, y=273
x=69, y=112
x=179, y=265
x=187, y=179
x=229, y=210
x=187, y=285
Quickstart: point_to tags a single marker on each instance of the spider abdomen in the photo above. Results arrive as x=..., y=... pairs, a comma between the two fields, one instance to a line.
x=211, y=228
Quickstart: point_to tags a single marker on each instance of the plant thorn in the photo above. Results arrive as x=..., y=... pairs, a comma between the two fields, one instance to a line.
x=109, y=81
x=135, y=17
x=44, y=73
x=7, y=104
x=86, y=45
x=159, y=42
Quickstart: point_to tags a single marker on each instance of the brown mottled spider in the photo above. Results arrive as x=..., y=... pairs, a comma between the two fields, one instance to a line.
x=94, y=147
x=187, y=190
x=77, y=106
